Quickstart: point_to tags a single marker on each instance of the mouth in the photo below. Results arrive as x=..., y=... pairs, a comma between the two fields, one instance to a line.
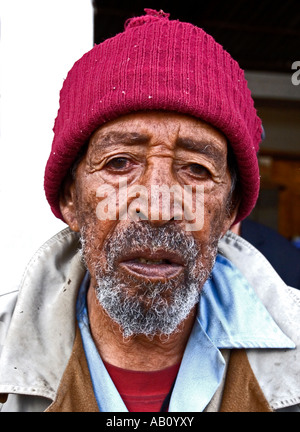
x=159, y=265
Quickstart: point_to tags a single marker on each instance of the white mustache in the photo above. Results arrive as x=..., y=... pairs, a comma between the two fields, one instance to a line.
x=141, y=236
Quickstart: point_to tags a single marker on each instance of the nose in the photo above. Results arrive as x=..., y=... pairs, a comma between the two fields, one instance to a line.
x=160, y=195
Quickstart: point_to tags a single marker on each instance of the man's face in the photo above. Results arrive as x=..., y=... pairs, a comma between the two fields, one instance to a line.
x=148, y=269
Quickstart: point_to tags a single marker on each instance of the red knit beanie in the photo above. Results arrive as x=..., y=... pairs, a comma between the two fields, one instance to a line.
x=156, y=64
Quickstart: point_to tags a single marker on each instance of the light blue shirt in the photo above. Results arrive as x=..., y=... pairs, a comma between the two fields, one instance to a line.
x=229, y=315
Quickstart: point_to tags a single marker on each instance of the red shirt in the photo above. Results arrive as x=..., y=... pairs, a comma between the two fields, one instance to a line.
x=143, y=391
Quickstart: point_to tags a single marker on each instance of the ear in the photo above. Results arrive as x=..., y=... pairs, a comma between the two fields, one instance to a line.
x=231, y=215
x=67, y=204
x=236, y=228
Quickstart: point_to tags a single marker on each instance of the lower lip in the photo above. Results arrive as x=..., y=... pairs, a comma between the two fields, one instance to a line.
x=153, y=271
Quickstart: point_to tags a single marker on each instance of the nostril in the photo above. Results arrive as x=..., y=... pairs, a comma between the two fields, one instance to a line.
x=136, y=214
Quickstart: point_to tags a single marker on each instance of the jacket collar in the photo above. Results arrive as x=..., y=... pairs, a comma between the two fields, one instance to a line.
x=44, y=320
x=277, y=371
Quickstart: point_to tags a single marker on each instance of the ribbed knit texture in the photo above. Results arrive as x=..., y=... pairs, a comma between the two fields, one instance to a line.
x=156, y=64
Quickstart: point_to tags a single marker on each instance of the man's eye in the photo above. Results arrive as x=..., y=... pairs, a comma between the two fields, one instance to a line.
x=118, y=163
x=199, y=170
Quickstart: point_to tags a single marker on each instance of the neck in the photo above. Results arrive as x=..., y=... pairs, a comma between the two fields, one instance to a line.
x=137, y=352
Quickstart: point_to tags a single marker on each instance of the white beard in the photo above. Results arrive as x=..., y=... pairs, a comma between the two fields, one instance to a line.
x=152, y=308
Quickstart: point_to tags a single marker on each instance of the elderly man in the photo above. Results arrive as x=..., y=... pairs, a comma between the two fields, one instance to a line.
x=145, y=302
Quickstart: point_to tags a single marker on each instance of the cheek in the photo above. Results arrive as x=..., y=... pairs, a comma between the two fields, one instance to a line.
x=93, y=235
x=215, y=217
x=93, y=230
x=86, y=199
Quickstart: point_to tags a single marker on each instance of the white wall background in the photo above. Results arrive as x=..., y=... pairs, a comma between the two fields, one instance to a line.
x=40, y=41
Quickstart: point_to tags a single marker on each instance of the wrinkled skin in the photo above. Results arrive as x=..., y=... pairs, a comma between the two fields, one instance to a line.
x=147, y=148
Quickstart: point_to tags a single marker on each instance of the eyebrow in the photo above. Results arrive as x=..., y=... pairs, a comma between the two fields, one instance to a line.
x=201, y=147
x=128, y=138
x=135, y=138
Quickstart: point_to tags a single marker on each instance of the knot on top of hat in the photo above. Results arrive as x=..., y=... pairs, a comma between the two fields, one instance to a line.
x=151, y=15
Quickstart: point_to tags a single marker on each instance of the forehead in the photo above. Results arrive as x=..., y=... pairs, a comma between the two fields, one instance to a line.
x=139, y=128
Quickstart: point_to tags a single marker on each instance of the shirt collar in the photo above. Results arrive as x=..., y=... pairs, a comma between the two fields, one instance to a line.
x=106, y=394
x=230, y=315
